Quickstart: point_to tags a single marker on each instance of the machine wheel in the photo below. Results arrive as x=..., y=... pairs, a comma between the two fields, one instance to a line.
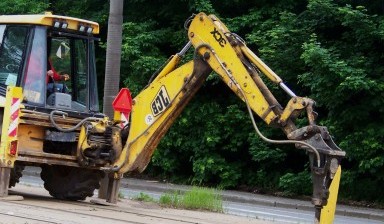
x=16, y=173
x=70, y=183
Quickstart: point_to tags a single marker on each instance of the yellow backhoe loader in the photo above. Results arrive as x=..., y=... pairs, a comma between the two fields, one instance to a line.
x=55, y=123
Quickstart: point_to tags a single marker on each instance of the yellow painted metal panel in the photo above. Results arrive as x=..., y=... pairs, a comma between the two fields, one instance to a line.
x=327, y=214
x=48, y=19
x=10, y=125
x=145, y=120
x=207, y=36
x=31, y=137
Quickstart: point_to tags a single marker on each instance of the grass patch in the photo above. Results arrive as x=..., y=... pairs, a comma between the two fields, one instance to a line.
x=197, y=198
x=144, y=197
x=170, y=199
x=120, y=195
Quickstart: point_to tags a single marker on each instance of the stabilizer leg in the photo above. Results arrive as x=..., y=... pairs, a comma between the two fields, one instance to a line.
x=113, y=189
x=4, y=181
x=4, y=186
x=110, y=190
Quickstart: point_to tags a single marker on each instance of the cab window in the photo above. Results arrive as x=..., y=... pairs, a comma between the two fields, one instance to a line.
x=13, y=40
x=80, y=93
x=68, y=55
x=36, y=69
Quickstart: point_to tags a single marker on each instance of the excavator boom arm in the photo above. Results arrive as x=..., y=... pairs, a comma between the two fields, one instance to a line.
x=216, y=48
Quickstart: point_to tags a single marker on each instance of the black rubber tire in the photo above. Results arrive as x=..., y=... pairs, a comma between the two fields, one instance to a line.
x=16, y=173
x=70, y=183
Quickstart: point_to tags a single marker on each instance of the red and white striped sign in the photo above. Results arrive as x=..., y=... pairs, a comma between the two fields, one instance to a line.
x=14, y=121
x=124, y=118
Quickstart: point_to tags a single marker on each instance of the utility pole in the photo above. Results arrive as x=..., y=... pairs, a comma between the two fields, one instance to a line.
x=111, y=83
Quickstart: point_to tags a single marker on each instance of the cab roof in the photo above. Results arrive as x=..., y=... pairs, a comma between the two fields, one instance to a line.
x=48, y=19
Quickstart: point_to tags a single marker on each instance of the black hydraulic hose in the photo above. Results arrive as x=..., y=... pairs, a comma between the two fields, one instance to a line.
x=58, y=112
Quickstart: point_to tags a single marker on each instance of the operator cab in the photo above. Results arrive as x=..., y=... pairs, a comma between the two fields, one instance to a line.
x=62, y=47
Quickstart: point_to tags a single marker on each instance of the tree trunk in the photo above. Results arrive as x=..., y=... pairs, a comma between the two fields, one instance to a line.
x=112, y=69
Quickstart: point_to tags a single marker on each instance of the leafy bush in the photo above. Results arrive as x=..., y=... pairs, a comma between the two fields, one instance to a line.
x=296, y=183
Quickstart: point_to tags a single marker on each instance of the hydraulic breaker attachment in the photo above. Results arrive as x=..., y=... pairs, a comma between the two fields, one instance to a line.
x=324, y=159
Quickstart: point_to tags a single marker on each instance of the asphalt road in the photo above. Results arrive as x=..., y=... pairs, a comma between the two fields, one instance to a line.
x=258, y=207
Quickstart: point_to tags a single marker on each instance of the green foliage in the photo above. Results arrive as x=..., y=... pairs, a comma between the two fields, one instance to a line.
x=296, y=183
x=210, y=150
x=23, y=7
x=209, y=167
x=141, y=54
x=95, y=10
x=355, y=186
x=201, y=6
x=263, y=154
x=344, y=73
